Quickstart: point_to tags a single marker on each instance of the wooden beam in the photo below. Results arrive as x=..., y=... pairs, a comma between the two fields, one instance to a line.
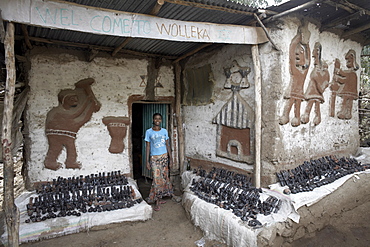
x=10, y=209
x=306, y=5
x=367, y=42
x=49, y=14
x=120, y=47
x=258, y=115
x=2, y=29
x=265, y=30
x=21, y=59
x=192, y=52
x=356, y=30
x=178, y=118
x=355, y=7
x=158, y=5
x=339, y=5
x=341, y=20
x=26, y=36
x=210, y=7
x=152, y=75
x=96, y=47
x=92, y=54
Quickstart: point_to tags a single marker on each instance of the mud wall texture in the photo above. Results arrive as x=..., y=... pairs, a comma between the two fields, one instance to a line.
x=116, y=79
x=309, y=102
x=201, y=120
x=287, y=144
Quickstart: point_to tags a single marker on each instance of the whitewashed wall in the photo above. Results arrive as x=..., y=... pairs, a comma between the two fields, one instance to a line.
x=116, y=80
x=287, y=145
x=200, y=132
x=283, y=146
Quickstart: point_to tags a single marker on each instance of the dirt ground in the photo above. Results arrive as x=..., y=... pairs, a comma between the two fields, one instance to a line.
x=171, y=227
x=168, y=227
x=351, y=229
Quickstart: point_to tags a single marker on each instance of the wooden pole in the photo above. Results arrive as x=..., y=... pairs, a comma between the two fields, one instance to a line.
x=180, y=131
x=258, y=115
x=123, y=44
x=207, y=6
x=95, y=47
x=191, y=52
x=305, y=5
x=2, y=29
x=356, y=30
x=10, y=209
x=158, y=5
x=26, y=37
x=266, y=32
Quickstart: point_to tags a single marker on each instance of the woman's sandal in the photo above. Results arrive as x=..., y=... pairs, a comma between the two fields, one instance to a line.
x=162, y=202
x=156, y=208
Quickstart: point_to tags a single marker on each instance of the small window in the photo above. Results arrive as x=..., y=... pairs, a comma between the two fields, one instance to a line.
x=198, y=86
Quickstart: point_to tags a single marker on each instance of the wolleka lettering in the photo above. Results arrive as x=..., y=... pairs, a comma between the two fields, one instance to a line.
x=160, y=29
x=199, y=32
x=176, y=30
x=205, y=34
x=193, y=32
x=186, y=33
x=182, y=35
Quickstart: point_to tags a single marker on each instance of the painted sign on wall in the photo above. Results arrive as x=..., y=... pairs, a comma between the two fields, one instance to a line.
x=117, y=23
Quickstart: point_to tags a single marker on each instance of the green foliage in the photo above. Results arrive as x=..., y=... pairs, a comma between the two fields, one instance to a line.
x=365, y=65
x=364, y=101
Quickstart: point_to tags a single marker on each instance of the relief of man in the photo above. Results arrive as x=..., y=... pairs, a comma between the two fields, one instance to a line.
x=319, y=81
x=299, y=61
x=63, y=122
x=347, y=79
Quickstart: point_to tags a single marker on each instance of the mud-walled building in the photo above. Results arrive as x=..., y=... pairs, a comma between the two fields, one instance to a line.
x=254, y=91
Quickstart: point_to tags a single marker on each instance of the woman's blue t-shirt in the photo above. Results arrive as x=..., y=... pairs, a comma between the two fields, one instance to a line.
x=157, y=140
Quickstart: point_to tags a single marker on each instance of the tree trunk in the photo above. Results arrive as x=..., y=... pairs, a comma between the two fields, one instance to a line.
x=180, y=131
x=258, y=117
x=10, y=209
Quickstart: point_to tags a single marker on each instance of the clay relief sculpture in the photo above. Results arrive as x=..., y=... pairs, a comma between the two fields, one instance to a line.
x=63, y=122
x=235, y=119
x=237, y=76
x=117, y=127
x=345, y=86
x=319, y=81
x=299, y=61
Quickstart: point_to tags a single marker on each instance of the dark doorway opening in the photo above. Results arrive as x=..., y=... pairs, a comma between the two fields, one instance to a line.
x=137, y=136
x=142, y=114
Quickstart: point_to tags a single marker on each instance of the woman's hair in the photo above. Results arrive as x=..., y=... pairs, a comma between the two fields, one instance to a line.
x=157, y=114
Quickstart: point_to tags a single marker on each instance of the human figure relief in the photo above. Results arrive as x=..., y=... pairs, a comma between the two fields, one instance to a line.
x=347, y=82
x=299, y=60
x=63, y=122
x=319, y=81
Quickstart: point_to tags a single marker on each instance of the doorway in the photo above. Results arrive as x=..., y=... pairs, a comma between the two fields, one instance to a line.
x=142, y=118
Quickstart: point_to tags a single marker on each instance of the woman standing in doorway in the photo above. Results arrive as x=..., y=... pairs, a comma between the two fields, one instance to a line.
x=158, y=158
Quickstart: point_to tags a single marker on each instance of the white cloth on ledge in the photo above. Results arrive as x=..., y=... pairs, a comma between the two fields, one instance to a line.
x=60, y=226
